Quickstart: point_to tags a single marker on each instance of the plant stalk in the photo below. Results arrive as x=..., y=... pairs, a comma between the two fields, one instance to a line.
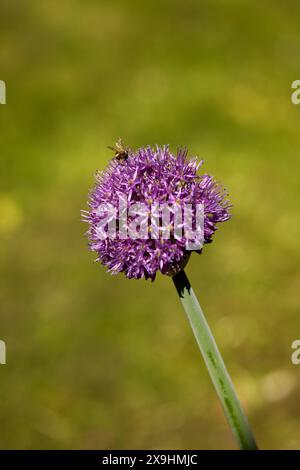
x=215, y=364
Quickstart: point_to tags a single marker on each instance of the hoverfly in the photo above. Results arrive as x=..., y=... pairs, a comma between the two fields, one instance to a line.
x=121, y=153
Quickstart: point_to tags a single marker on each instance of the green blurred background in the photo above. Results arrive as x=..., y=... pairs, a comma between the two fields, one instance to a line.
x=95, y=361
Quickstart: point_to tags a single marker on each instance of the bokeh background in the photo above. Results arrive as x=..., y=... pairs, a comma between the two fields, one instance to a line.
x=95, y=361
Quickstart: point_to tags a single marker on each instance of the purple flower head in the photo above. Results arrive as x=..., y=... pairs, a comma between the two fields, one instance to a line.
x=152, y=177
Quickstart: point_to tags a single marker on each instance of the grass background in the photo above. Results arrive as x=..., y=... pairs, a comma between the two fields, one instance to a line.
x=95, y=361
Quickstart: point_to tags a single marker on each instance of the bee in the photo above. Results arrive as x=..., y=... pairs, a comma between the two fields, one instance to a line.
x=121, y=153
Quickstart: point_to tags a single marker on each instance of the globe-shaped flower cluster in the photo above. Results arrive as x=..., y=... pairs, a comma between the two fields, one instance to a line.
x=152, y=176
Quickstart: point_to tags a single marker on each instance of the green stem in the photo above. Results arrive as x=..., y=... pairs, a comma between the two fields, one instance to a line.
x=215, y=364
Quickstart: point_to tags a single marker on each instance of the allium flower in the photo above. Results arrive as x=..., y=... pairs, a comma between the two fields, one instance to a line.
x=153, y=176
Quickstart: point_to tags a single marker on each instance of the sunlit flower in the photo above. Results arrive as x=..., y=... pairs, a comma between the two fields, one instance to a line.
x=153, y=176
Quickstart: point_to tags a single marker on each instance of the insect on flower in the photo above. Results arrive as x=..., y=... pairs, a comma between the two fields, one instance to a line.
x=151, y=177
x=121, y=152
